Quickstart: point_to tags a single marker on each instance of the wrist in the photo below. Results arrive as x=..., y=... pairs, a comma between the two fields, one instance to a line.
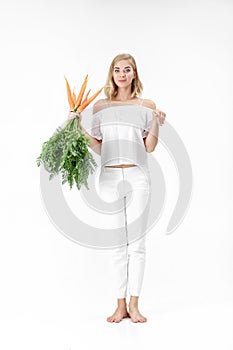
x=154, y=120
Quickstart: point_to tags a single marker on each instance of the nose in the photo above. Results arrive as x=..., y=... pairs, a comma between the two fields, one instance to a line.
x=122, y=74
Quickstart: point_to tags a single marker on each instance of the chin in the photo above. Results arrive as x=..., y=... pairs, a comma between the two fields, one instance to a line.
x=122, y=84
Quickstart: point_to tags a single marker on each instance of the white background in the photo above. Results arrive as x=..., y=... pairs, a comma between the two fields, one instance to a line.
x=56, y=294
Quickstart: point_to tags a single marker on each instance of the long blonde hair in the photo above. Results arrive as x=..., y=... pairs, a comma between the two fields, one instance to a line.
x=110, y=88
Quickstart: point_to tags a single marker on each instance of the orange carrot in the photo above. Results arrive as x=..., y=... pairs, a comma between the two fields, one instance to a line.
x=69, y=95
x=87, y=102
x=74, y=96
x=85, y=98
x=82, y=90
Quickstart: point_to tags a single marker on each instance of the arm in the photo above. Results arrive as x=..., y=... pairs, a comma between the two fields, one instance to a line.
x=95, y=144
x=151, y=140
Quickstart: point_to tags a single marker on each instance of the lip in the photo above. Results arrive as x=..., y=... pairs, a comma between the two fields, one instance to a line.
x=121, y=81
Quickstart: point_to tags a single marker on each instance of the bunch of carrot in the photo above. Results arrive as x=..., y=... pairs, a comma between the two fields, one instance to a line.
x=66, y=152
x=78, y=104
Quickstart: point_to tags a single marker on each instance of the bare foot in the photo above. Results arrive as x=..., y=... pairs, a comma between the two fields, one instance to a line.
x=135, y=315
x=118, y=315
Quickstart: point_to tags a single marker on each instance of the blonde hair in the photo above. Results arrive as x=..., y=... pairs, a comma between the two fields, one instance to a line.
x=110, y=89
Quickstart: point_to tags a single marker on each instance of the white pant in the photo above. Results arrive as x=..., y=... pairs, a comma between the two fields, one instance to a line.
x=128, y=260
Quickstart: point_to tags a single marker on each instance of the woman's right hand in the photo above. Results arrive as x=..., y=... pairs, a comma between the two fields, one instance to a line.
x=160, y=115
x=73, y=115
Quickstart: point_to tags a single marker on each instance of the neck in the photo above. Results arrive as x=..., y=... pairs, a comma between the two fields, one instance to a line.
x=123, y=94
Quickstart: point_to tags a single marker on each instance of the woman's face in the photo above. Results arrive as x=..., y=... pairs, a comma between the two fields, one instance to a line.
x=123, y=73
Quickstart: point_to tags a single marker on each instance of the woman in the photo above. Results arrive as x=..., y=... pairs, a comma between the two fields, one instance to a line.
x=125, y=128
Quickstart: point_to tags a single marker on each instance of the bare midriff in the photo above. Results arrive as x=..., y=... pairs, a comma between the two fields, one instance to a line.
x=120, y=166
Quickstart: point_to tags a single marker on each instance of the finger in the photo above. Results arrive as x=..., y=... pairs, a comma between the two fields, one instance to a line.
x=74, y=114
x=160, y=112
x=163, y=114
x=71, y=116
x=161, y=120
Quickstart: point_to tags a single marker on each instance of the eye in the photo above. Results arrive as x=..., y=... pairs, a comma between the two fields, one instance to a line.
x=116, y=70
x=127, y=70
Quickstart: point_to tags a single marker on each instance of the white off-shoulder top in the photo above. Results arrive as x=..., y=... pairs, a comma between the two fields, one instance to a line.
x=122, y=129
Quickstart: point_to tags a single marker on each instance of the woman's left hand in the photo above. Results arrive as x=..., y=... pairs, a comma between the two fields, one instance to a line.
x=160, y=115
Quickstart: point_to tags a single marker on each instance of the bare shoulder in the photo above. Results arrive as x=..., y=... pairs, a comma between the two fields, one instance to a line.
x=99, y=104
x=149, y=103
